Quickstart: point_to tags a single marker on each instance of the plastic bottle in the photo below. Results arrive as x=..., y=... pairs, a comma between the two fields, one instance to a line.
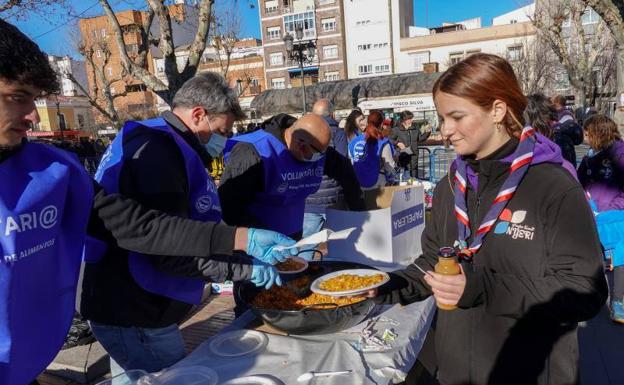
x=447, y=265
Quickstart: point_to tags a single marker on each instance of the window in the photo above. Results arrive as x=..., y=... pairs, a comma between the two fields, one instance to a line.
x=98, y=53
x=270, y=6
x=109, y=71
x=330, y=51
x=329, y=24
x=590, y=17
x=365, y=69
x=383, y=68
x=278, y=83
x=132, y=48
x=81, y=121
x=514, y=53
x=95, y=34
x=419, y=59
x=136, y=88
x=276, y=59
x=561, y=81
x=273, y=33
x=456, y=57
x=332, y=76
x=61, y=121
x=103, y=32
x=472, y=52
x=305, y=19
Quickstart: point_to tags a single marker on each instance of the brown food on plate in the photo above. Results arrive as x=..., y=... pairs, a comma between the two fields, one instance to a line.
x=350, y=282
x=282, y=298
x=289, y=265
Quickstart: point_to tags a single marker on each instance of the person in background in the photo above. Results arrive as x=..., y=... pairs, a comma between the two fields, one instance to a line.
x=519, y=298
x=355, y=124
x=163, y=163
x=602, y=175
x=330, y=191
x=46, y=208
x=541, y=114
x=270, y=173
x=406, y=136
x=567, y=133
x=372, y=155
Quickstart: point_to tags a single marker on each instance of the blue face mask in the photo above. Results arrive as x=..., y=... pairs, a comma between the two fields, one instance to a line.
x=315, y=157
x=216, y=143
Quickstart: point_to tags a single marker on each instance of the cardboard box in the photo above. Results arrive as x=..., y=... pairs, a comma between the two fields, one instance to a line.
x=387, y=236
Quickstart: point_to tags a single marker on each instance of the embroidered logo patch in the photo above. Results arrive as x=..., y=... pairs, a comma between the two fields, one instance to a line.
x=511, y=224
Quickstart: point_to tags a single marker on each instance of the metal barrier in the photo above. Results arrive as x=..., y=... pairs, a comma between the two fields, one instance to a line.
x=440, y=163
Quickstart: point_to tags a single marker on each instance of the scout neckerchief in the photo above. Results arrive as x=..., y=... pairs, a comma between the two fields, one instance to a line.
x=522, y=158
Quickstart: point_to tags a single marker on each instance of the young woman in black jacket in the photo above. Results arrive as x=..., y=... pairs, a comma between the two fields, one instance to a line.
x=533, y=264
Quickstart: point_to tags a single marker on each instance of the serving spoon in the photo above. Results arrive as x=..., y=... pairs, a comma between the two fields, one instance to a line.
x=310, y=375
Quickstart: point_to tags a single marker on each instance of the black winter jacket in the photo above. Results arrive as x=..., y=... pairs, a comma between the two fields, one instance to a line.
x=529, y=285
x=156, y=177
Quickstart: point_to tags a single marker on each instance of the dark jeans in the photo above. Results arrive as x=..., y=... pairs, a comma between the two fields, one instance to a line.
x=618, y=284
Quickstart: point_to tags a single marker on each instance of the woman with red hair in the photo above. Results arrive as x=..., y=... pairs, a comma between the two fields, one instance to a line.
x=372, y=155
x=531, y=261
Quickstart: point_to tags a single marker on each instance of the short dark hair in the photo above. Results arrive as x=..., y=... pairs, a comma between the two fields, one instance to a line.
x=21, y=61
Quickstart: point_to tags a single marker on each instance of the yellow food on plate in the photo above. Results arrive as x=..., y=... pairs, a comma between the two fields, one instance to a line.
x=282, y=298
x=345, y=282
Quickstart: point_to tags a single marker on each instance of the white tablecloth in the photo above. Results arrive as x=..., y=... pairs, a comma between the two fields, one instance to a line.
x=287, y=357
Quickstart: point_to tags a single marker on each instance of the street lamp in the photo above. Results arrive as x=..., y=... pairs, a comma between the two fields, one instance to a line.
x=301, y=52
x=58, y=117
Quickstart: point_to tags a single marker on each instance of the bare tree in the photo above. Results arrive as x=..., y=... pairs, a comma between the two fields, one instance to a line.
x=612, y=12
x=536, y=67
x=579, y=47
x=20, y=9
x=225, y=36
x=100, y=93
x=136, y=66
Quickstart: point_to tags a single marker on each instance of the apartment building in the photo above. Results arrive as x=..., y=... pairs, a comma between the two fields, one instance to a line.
x=322, y=23
x=243, y=68
x=373, y=30
x=444, y=46
x=96, y=32
x=65, y=66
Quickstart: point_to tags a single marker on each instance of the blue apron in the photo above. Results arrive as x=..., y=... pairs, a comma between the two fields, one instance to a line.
x=45, y=202
x=366, y=158
x=204, y=204
x=287, y=183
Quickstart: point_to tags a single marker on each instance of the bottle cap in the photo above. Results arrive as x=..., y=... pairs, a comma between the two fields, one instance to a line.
x=446, y=252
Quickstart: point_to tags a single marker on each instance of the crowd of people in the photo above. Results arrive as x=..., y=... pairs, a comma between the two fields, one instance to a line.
x=153, y=227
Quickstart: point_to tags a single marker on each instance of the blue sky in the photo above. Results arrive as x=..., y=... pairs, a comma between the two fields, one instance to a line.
x=53, y=30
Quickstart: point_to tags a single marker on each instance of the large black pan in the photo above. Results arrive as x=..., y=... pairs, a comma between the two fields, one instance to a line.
x=311, y=320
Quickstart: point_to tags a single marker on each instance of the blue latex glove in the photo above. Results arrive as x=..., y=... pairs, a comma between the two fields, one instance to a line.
x=263, y=274
x=261, y=245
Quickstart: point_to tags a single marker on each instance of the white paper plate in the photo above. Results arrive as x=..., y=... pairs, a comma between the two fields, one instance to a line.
x=297, y=259
x=253, y=380
x=316, y=285
x=188, y=375
x=238, y=343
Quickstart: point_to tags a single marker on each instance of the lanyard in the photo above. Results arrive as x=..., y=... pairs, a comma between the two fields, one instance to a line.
x=522, y=158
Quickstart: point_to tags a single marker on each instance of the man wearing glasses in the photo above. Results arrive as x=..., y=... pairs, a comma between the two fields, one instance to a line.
x=270, y=173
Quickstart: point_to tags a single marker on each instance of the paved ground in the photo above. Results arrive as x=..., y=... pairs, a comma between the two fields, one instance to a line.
x=215, y=313
x=601, y=343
